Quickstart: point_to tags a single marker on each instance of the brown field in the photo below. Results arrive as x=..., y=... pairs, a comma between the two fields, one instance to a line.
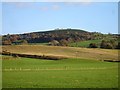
x=70, y=52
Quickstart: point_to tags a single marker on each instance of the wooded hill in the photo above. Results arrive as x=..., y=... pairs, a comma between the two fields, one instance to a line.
x=57, y=37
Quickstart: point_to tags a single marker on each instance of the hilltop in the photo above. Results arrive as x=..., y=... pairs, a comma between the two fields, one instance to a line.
x=51, y=34
x=47, y=36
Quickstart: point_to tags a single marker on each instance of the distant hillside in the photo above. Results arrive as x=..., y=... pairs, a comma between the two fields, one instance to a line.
x=47, y=36
x=57, y=37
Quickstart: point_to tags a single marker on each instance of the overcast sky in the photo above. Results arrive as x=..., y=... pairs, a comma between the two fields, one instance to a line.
x=38, y=16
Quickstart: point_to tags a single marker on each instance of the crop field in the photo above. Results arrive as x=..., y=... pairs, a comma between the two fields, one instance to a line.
x=68, y=73
x=70, y=52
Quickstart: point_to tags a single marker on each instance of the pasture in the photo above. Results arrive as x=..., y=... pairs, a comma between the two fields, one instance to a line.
x=85, y=43
x=68, y=73
x=84, y=68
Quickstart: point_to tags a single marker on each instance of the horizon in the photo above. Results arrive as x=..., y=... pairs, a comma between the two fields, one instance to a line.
x=26, y=17
x=48, y=30
x=56, y=30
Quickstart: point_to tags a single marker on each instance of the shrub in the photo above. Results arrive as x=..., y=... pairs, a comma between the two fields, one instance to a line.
x=106, y=44
x=54, y=43
x=6, y=42
x=93, y=45
x=63, y=42
x=118, y=45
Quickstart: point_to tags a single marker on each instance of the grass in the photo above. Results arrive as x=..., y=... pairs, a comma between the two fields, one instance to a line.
x=84, y=43
x=67, y=73
x=38, y=43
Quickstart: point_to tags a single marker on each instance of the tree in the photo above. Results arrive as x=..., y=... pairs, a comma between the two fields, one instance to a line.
x=6, y=42
x=118, y=46
x=93, y=45
x=24, y=42
x=63, y=42
x=103, y=44
x=109, y=46
x=33, y=35
x=70, y=40
x=106, y=44
x=0, y=40
x=13, y=38
x=54, y=43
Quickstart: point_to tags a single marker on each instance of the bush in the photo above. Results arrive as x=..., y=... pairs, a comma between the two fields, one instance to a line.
x=6, y=42
x=63, y=42
x=106, y=45
x=109, y=46
x=118, y=46
x=54, y=43
x=93, y=45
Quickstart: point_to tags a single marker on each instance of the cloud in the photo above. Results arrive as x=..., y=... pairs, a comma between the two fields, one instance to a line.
x=81, y=2
x=45, y=8
x=52, y=7
x=55, y=7
x=32, y=5
x=86, y=2
x=21, y=4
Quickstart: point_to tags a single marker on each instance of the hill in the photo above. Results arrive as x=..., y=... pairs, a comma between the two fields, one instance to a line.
x=71, y=35
x=62, y=37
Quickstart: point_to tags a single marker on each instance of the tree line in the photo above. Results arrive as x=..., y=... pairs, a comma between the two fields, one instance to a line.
x=106, y=44
x=69, y=35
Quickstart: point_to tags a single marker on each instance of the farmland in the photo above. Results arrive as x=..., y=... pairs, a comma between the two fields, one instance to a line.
x=59, y=45
x=84, y=69
x=84, y=43
x=67, y=73
x=70, y=52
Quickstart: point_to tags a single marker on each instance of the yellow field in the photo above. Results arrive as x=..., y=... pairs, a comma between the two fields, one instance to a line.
x=71, y=52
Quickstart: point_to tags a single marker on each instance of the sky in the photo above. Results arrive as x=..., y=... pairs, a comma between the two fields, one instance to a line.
x=24, y=17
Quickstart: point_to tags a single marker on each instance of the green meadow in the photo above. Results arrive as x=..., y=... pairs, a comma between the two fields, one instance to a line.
x=84, y=43
x=68, y=73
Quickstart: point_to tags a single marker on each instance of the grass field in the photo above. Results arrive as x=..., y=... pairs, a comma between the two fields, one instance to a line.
x=84, y=43
x=84, y=68
x=67, y=73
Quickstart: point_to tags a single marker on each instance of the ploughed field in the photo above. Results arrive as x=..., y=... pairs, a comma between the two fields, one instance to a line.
x=19, y=72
